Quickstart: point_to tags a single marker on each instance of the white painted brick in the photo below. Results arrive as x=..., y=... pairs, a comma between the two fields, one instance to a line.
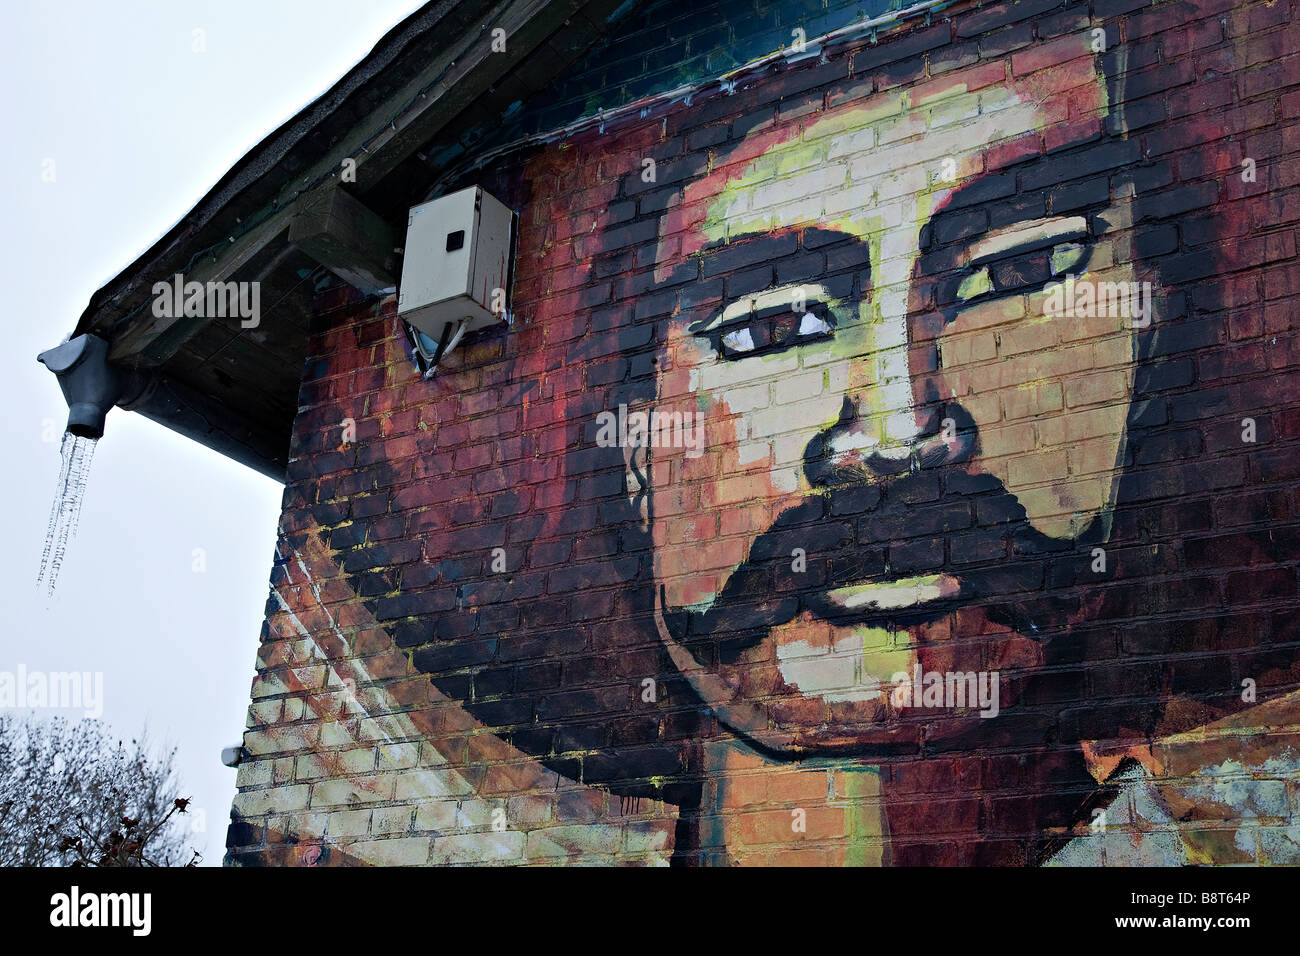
x=397, y=851
x=488, y=847
x=252, y=803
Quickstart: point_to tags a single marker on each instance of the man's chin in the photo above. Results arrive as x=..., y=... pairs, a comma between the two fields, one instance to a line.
x=890, y=735
x=812, y=687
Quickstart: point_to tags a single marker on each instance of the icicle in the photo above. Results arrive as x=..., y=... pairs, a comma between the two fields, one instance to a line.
x=76, y=453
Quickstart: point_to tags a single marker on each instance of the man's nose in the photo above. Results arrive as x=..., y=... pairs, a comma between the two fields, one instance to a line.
x=892, y=416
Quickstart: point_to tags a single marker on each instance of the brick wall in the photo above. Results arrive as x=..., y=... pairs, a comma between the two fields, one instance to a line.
x=661, y=46
x=493, y=638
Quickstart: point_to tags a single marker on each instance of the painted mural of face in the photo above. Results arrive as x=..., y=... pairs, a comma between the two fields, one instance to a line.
x=898, y=426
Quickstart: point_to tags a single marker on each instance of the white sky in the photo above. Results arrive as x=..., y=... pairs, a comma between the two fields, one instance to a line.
x=140, y=127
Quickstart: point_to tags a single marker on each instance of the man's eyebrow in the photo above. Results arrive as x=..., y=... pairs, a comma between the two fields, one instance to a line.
x=1027, y=236
x=994, y=196
x=745, y=238
x=813, y=237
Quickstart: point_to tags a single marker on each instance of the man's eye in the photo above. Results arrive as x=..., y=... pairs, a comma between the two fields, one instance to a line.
x=813, y=325
x=772, y=330
x=1017, y=272
x=738, y=340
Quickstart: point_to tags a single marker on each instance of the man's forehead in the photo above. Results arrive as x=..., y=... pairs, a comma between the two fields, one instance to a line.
x=848, y=172
x=914, y=142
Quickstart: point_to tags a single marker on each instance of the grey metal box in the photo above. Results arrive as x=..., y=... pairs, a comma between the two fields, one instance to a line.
x=457, y=254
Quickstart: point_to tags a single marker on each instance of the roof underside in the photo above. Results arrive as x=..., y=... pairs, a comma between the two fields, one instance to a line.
x=235, y=389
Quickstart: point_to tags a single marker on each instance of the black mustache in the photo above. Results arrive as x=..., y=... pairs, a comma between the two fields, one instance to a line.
x=844, y=533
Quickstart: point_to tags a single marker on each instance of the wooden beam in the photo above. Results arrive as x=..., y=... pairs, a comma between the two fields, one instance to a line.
x=339, y=232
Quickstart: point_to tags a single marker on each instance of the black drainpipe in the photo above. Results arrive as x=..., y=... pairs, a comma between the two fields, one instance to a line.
x=91, y=386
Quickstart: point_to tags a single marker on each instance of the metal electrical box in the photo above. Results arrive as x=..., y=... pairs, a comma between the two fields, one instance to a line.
x=457, y=257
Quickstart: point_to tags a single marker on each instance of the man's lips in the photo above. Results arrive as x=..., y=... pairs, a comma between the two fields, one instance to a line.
x=895, y=595
x=893, y=602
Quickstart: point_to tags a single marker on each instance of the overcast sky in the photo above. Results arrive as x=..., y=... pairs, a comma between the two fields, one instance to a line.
x=139, y=126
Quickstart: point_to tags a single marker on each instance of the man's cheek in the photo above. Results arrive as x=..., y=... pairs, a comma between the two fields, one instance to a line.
x=717, y=512
x=711, y=498
x=1048, y=394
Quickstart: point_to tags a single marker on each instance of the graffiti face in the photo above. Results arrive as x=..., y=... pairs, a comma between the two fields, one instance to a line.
x=903, y=392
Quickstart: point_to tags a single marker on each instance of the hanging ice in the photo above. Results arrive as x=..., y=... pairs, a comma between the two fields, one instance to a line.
x=77, y=452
